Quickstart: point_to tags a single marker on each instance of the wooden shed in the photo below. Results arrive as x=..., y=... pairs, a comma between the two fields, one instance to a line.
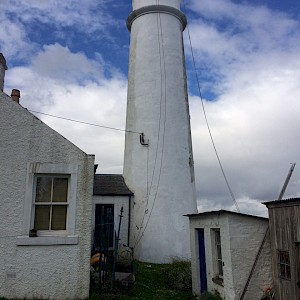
x=284, y=222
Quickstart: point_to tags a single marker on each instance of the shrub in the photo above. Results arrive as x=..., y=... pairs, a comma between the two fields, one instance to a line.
x=178, y=275
x=211, y=296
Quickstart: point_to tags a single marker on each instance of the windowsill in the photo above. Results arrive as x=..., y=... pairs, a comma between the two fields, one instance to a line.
x=218, y=280
x=47, y=240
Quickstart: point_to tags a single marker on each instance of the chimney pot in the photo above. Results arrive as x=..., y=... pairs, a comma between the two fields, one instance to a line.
x=15, y=95
x=3, y=67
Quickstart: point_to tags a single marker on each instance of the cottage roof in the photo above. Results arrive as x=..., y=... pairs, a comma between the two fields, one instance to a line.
x=222, y=212
x=289, y=201
x=110, y=185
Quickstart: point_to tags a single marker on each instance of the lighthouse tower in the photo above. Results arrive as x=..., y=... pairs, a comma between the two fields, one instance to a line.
x=158, y=161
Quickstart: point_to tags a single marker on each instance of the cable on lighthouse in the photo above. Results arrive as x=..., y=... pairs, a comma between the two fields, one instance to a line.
x=206, y=120
x=163, y=95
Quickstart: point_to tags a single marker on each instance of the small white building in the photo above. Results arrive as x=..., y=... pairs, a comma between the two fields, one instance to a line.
x=46, y=186
x=231, y=254
x=110, y=195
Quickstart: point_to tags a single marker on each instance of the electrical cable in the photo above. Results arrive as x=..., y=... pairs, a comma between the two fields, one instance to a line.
x=206, y=119
x=82, y=122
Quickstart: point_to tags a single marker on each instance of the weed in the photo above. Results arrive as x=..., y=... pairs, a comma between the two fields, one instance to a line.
x=178, y=275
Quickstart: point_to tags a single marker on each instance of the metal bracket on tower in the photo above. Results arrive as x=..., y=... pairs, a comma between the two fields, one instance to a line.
x=142, y=140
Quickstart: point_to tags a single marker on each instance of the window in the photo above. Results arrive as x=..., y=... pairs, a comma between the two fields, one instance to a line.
x=51, y=203
x=284, y=264
x=218, y=253
x=104, y=226
x=217, y=256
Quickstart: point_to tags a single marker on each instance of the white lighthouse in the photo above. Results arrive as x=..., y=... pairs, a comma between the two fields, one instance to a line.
x=158, y=163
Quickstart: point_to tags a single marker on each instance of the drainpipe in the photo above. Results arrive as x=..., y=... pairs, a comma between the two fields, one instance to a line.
x=129, y=222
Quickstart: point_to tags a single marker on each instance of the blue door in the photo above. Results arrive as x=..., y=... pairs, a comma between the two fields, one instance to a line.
x=202, y=261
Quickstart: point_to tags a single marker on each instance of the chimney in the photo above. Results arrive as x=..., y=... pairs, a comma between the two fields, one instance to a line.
x=15, y=95
x=3, y=67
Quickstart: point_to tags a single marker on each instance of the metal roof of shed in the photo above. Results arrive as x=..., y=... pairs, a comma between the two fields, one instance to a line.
x=222, y=212
x=283, y=202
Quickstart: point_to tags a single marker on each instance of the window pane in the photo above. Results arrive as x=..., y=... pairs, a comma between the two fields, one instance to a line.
x=281, y=257
x=288, y=272
x=59, y=217
x=43, y=189
x=219, y=254
x=41, y=217
x=218, y=237
x=286, y=258
x=60, y=190
x=220, y=267
x=282, y=271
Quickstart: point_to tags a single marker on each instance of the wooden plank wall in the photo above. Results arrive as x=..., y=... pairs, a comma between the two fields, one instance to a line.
x=284, y=220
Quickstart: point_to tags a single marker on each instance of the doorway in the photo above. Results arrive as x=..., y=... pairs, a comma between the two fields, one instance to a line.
x=202, y=261
x=104, y=226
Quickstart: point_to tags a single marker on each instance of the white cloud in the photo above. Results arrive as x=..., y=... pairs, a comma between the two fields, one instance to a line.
x=249, y=53
x=227, y=37
x=254, y=119
x=60, y=64
x=63, y=13
x=13, y=39
x=23, y=24
x=50, y=85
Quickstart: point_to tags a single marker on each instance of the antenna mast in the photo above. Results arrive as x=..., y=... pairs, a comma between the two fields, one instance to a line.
x=287, y=181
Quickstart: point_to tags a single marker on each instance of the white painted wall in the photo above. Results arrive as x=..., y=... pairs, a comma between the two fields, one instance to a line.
x=246, y=235
x=241, y=237
x=41, y=267
x=118, y=202
x=158, y=106
x=136, y=4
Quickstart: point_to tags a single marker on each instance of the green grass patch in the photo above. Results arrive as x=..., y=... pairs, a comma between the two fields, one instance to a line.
x=157, y=281
x=211, y=296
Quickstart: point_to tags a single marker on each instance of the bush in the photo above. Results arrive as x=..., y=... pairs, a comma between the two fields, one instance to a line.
x=211, y=296
x=178, y=275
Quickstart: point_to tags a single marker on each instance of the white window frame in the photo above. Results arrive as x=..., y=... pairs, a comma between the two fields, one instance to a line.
x=50, y=232
x=50, y=237
x=216, y=259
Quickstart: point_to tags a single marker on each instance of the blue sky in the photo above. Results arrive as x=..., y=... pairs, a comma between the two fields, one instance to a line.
x=70, y=59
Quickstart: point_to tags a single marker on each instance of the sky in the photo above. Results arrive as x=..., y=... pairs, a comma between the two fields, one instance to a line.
x=70, y=59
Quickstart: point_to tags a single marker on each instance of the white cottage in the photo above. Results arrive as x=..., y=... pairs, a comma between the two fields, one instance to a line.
x=46, y=186
x=231, y=254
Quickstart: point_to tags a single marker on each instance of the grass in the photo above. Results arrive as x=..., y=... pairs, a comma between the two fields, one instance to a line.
x=211, y=296
x=153, y=282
